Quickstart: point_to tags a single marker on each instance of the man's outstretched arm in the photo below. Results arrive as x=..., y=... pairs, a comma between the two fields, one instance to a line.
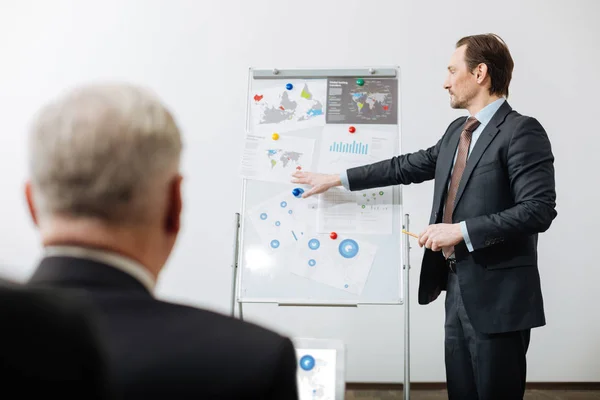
x=405, y=169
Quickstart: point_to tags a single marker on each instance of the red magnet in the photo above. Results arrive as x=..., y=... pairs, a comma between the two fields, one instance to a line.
x=333, y=235
x=352, y=129
x=298, y=168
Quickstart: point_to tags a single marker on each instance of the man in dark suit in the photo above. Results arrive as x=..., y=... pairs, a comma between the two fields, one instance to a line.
x=105, y=193
x=49, y=347
x=494, y=192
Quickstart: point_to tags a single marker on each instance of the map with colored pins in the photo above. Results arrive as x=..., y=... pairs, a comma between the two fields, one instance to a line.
x=291, y=106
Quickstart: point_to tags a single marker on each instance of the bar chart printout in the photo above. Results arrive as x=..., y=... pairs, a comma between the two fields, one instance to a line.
x=353, y=147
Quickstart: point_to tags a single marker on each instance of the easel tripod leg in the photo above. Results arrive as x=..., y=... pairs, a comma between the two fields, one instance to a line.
x=234, y=264
x=406, y=268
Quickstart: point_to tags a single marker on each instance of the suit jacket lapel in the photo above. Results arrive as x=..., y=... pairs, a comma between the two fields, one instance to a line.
x=486, y=137
x=445, y=160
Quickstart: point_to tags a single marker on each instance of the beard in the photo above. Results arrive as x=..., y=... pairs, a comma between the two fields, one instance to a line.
x=463, y=101
x=458, y=103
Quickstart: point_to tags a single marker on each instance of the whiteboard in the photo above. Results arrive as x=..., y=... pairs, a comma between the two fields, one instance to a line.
x=281, y=271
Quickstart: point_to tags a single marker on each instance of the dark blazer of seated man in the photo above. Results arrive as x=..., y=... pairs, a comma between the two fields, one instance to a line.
x=49, y=347
x=105, y=193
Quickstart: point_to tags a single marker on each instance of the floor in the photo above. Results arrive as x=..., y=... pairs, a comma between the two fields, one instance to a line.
x=441, y=394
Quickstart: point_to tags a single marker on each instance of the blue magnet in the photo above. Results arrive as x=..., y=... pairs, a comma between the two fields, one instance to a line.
x=307, y=362
x=297, y=192
x=348, y=248
x=314, y=244
x=289, y=86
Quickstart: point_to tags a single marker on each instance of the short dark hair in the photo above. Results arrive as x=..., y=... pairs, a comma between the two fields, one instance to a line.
x=492, y=51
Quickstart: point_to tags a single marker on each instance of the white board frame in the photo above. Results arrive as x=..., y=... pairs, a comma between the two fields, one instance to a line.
x=323, y=73
x=404, y=298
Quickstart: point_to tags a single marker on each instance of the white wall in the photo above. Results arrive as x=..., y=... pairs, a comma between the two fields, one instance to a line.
x=196, y=54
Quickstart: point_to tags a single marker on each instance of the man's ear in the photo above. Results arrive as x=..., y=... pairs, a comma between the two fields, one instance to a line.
x=30, y=204
x=481, y=72
x=175, y=205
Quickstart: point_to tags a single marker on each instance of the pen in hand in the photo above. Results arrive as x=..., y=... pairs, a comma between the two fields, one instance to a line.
x=410, y=233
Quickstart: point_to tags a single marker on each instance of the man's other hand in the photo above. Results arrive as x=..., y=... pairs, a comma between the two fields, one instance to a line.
x=437, y=236
x=320, y=182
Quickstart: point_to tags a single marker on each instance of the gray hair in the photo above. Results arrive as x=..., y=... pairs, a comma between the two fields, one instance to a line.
x=99, y=152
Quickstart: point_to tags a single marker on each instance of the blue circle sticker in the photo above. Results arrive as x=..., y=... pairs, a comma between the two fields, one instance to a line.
x=307, y=362
x=290, y=212
x=263, y=216
x=277, y=223
x=283, y=204
x=314, y=244
x=275, y=243
x=312, y=263
x=348, y=248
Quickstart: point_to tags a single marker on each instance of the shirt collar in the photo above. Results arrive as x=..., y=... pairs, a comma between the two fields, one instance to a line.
x=122, y=263
x=484, y=116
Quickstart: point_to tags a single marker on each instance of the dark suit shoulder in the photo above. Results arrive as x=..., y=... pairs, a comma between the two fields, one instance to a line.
x=250, y=331
x=456, y=123
x=459, y=120
x=159, y=347
x=518, y=119
x=519, y=124
x=453, y=127
x=205, y=327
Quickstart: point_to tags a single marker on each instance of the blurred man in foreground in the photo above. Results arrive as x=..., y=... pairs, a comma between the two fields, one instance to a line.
x=105, y=193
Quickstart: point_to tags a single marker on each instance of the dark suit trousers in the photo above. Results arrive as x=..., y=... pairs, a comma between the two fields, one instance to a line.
x=481, y=366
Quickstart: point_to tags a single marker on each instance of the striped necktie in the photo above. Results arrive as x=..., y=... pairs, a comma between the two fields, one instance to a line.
x=457, y=172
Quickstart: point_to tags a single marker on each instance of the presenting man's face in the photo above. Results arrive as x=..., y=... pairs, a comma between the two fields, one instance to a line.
x=460, y=82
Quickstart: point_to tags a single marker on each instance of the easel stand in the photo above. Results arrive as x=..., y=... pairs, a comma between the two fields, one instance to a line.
x=406, y=274
x=313, y=119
